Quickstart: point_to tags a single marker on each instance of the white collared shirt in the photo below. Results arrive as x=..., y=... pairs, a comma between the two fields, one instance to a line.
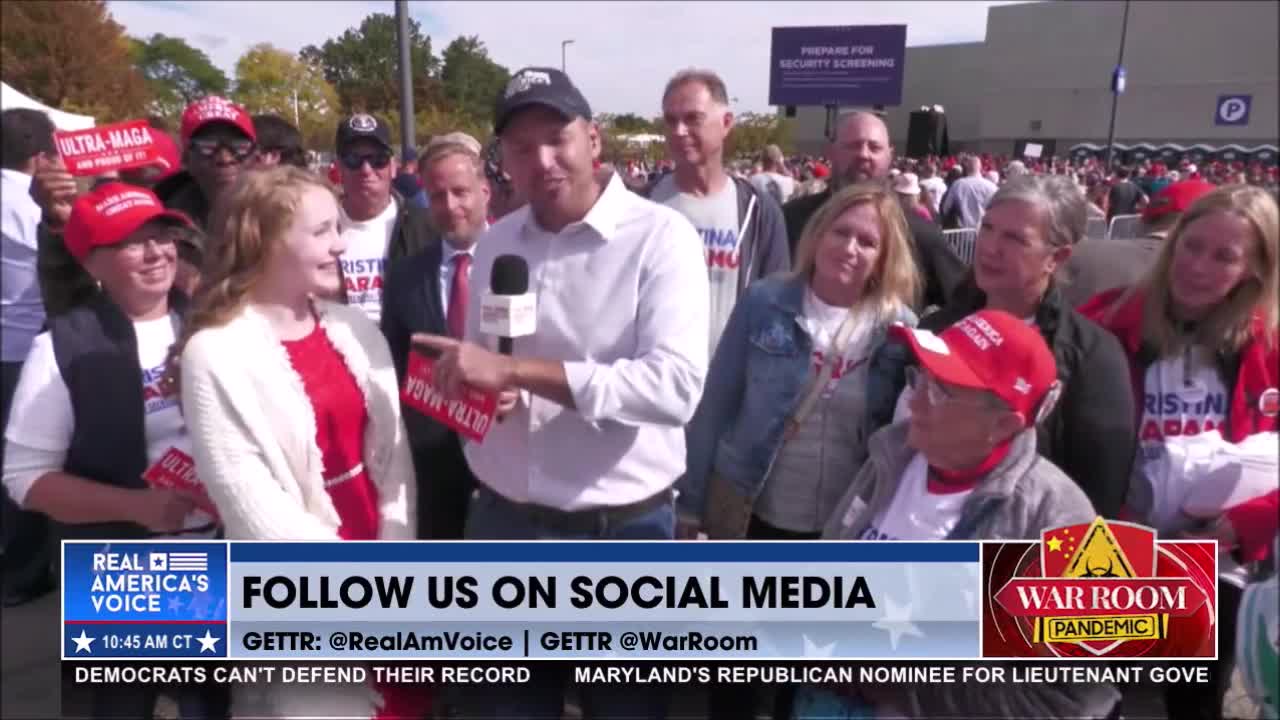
x=21, y=306
x=623, y=301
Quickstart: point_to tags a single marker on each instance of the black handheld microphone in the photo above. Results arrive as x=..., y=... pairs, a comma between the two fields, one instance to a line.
x=507, y=311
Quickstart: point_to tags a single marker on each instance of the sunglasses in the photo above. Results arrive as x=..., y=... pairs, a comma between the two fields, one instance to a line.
x=377, y=161
x=209, y=147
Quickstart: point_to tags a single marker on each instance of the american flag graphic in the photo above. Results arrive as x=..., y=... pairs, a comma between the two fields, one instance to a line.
x=180, y=561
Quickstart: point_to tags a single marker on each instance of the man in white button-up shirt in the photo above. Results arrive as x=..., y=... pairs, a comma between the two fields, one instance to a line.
x=595, y=438
x=27, y=134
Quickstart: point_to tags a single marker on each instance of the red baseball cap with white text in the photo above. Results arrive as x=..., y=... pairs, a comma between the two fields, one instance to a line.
x=213, y=109
x=989, y=350
x=110, y=213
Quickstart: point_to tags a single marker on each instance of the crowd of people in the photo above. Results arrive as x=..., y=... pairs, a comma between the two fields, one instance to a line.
x=789, y=351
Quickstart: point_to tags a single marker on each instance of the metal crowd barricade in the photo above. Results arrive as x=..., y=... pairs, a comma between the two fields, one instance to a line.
x=1096, y=229
x=1124, y=226
x=962, y=242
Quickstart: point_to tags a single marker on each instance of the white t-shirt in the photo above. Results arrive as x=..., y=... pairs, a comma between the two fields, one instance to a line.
x=41, y=420
x=716, y=219
x=1182, y=395
x=937, y=187
x=917, y=512
x=786, y=186
x=822, y=322
x=362, y=263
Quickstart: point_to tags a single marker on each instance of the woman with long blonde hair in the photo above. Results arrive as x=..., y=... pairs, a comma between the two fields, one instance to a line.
x=1201, y=334
x=291, y=400
x=780, y=431
x=786, y=378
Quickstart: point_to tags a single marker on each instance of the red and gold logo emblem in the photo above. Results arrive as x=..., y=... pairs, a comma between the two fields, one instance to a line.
x=1102, y=589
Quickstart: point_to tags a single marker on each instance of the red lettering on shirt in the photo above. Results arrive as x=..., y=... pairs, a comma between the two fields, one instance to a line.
x=843, y=367
x=1153, y=431
x=726, y=259
x=1150, y=431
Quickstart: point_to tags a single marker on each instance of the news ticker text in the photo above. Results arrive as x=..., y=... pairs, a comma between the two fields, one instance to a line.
x=640, y=674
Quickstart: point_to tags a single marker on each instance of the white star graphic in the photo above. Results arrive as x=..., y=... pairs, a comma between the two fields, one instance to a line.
x=812, y=650
x=174, y=604
x=897, y=622
x=208, y=642
x=84, y=642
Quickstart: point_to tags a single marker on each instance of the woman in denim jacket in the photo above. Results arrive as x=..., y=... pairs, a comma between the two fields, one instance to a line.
x=776, y=474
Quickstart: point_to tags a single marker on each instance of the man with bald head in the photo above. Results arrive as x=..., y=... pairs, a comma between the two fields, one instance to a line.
x=861, y=151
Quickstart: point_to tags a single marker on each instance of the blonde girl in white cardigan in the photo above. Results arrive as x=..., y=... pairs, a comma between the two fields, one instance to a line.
x=292, y=401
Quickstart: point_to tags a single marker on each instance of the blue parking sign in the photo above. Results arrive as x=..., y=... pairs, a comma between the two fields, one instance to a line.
x=1232, y=110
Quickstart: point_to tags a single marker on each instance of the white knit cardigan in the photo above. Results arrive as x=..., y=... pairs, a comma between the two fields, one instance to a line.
x=253, y=431
x=253, y=436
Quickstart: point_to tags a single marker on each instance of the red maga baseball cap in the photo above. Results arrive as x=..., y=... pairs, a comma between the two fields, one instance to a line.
x=169, y=157
x=990, y=350
x=110, y=213
x=213, y=109
x=1176, y=198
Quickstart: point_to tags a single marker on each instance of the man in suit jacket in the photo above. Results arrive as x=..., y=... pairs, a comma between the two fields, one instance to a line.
x=427, y=292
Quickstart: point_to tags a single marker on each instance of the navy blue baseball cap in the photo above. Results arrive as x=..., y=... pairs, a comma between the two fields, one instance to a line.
x=543, y=86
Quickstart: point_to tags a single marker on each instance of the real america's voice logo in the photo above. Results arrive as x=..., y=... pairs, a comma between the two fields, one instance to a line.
x=1100, y=590
x=144, y=599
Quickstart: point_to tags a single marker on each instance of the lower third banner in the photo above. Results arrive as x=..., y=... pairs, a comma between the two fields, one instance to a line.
x=515, y=601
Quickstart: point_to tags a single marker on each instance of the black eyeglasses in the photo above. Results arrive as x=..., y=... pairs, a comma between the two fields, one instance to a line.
x=209, y=147
x=377, y=161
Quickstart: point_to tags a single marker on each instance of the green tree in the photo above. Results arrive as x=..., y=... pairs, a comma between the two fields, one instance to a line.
x=632, y=123
x=71, y=55
x=271, y=80
x=471, y=80
x=362, y=64
x=177, y=73
x=753, y=131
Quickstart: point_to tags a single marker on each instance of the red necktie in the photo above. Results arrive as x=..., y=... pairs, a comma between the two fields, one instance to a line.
x=458, y=290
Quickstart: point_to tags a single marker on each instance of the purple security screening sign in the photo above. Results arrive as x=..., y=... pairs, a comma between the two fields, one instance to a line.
x=842, y=65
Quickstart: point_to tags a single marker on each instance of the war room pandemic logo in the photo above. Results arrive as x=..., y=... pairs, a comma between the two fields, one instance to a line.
x=1100, y=590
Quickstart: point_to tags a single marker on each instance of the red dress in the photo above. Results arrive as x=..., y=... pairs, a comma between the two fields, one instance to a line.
x=341, y=418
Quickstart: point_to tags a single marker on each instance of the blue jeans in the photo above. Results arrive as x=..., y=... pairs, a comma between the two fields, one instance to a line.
x=490, y=517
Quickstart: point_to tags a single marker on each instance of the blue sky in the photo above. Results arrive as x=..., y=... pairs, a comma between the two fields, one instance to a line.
x=623, y=52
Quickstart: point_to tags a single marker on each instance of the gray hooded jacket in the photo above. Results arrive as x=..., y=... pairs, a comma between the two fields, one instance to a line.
x=1023, y=495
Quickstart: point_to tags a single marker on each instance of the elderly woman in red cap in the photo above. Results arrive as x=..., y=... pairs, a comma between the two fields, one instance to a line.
x=964, y=466
x=92, y=412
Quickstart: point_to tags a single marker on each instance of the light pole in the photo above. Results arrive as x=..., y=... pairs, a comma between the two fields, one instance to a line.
x=406, y=76
x=564, y=44
x=1117, y=87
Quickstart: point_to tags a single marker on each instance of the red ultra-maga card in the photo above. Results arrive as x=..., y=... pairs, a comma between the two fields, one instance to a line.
x=176, y=470
x=471, y=415
x=106, y=148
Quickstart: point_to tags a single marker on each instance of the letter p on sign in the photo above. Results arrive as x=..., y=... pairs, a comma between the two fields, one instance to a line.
x=1233, y=110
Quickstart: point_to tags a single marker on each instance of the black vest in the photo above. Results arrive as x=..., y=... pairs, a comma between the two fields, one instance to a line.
x=96, y=350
